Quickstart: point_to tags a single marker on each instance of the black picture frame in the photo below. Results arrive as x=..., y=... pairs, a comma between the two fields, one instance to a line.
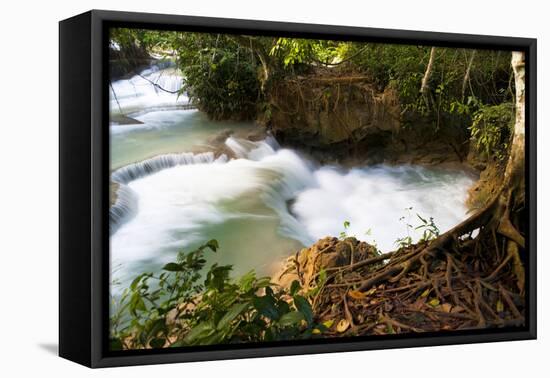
x=84, y=191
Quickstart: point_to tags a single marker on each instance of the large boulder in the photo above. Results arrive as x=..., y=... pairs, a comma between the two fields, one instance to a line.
x=327, y=253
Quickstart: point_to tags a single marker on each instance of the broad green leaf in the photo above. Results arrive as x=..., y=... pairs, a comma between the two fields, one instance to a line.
x=200, y=331
x=266, y=306
x=295, y=287
x=304, y=307
x=135, y=282
x=172, y=267
x=213, y=245
x=230, y=315
x=293, y=318
x=215, y=338
x=157, y=343
x=247, y=281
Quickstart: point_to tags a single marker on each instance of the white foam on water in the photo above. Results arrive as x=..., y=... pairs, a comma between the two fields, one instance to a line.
x=153, y=89
x=180, y=196
x=377, y=199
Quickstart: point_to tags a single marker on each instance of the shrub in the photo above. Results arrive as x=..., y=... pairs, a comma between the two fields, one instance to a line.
x=182, y=307
x=491, y=129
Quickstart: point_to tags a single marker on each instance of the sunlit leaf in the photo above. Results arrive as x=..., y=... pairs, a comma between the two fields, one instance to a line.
x=357, y=295
x=342, y=325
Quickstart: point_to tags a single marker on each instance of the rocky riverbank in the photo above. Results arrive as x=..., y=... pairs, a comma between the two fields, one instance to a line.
x=345, y=118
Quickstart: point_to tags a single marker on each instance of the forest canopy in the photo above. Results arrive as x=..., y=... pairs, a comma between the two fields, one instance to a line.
x=234, y=76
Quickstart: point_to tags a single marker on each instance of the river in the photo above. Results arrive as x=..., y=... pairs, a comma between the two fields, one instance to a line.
x=262, y=205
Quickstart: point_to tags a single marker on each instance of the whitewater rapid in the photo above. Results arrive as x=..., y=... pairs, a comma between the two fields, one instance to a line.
x=153, y=89
x=268, y=202
x=262, y=205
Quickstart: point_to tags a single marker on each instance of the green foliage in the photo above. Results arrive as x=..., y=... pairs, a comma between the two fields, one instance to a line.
x=405, y=241
x=344, y=234
x=221, y=76
x=428, y=227
x=491, y=129
x=402, y=67
x=293, y=52
x=230, y=77
x=151, y=40
x=175, y=309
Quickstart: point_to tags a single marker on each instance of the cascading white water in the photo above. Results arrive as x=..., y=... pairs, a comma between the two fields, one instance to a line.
x=146, y=167
x=268, y=203
x=126, y=204
x=123, y=209
x=152, y=89
x=379, y=201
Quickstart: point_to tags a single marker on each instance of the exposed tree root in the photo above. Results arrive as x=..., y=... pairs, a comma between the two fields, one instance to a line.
x=454, y=282
x=470, y=277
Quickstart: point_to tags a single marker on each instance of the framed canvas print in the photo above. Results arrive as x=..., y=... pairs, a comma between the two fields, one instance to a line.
x=233, y=188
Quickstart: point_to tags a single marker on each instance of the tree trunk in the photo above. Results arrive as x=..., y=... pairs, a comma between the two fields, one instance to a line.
x=512, y=198
x=467, y=74
x=255, y=46
x=516, y=162
x=471, y=276
x=427, y=75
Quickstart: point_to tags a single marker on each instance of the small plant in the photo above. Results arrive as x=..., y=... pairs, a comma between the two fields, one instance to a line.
x=178, y=308
x=320, y=282
x=405, y=241
x=372, y=242
x=428, y=227
x=344, y=233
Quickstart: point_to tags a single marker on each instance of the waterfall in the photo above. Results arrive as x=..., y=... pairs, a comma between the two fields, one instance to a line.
x=380, y=201
x=247, y=149
x=123, y=209
x=293, y=174
x=268, y=202
x=126, y=204
x=152, y=90
x=146, y=167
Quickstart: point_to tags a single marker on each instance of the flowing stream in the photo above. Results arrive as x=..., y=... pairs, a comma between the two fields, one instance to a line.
x=261, y=206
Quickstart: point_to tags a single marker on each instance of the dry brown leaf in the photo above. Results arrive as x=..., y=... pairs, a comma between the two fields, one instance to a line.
x=342, y=325
x=357, y=295
x=457, y=309
x=445, y=307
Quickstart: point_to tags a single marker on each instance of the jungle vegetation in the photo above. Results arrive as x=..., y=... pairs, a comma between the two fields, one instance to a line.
x=471, y=276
